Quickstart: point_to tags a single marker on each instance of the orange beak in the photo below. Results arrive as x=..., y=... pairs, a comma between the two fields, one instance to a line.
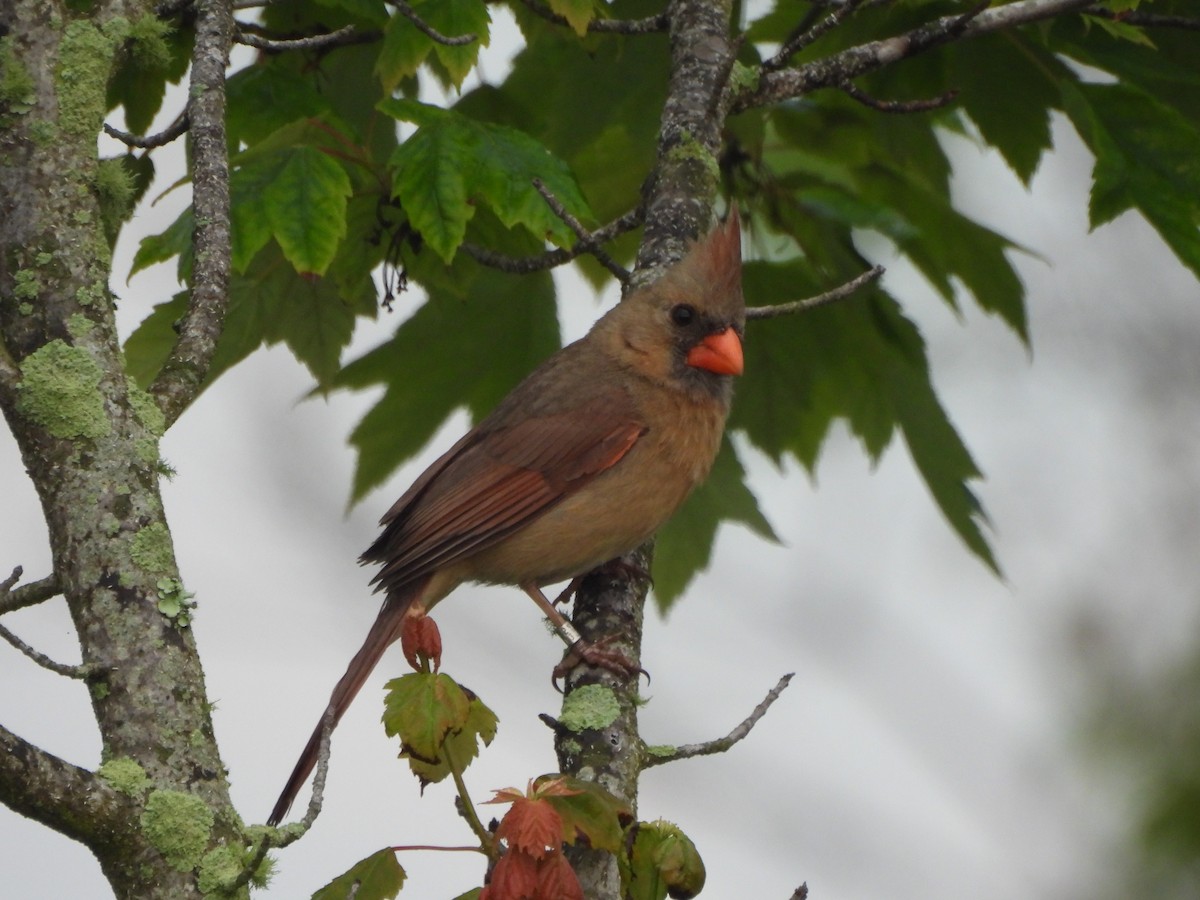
x=720, y=353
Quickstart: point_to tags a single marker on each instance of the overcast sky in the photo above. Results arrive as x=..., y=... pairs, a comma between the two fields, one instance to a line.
x=931, y=744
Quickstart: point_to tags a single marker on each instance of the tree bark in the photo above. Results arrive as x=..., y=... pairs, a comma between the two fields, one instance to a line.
x=157, y=813
x=679, y=207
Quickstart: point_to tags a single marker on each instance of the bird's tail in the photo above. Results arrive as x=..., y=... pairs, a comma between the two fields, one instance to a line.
x=384, y=631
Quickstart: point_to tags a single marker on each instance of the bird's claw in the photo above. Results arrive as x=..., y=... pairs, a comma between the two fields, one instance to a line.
x=598, y=654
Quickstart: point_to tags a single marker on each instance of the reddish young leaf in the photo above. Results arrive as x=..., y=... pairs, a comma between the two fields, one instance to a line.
x=554, y=786
x=507, y=795
x=422, y=642
x=514, y=878
x=532, y=827
x=556, y=880
x=586, y=809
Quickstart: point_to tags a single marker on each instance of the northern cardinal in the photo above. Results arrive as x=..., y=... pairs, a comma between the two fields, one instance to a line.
x=580, y=464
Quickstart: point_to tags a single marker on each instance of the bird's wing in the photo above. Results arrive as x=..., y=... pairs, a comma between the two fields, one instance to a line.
x=494, y=481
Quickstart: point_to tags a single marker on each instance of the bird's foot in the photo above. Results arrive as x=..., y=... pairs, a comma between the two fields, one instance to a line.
x=600, y=655
x=619, y=566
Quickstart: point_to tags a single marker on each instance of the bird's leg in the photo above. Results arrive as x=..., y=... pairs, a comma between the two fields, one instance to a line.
x=580, y=649
x=569, y=591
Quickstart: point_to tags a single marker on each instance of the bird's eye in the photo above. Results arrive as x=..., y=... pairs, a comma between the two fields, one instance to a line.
x=683, y=314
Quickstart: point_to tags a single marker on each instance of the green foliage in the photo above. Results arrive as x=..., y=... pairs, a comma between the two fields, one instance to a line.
x=1145, y=159
x=683, y=546
x=467, y=349
x=439, y=724
x=453, y=162
x=378, y=877
x=587, y=811
x=326, y=187
x=662, y=862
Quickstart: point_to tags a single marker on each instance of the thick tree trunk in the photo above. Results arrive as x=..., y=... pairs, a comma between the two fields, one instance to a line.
x=157, y=813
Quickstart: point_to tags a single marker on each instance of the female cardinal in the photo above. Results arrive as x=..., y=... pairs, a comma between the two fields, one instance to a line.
x=581, y=463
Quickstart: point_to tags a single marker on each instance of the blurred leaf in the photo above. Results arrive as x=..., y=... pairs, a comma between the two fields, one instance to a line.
x=154, y=56
x=684, y=545
x=1015, y=120
x=404, y=48
x=455, y=18
x=267, y=96
x=1122, y=31
x=860, y=360
x=176, y=240
x=1147, y=156
x=455, y=351
x=578, y=13
x=147, y=348
x=378, y=877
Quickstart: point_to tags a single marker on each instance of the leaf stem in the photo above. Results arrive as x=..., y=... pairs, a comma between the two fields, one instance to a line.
x=467, y=807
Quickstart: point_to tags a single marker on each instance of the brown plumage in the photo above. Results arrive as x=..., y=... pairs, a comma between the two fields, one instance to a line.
x=581, y=463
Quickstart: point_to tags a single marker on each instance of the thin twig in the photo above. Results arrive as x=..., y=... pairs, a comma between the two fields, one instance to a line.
x=7, y=584
x=559, y=256
x=428, y=30
x=807, y=33
x=150, y=141
x=720, y=745
x=840, y=68
x=899, y=106
x=67, y=671
x=809, y=303
x=293, y=833
x=1144, y=19
x=621, y=274
x=343, y=37
x=648, y=25
x=13, y=598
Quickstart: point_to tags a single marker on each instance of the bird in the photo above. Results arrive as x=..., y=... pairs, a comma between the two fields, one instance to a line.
x=581, y=463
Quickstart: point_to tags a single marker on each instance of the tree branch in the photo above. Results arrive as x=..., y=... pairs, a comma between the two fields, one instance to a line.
x=317, y=799
x=183, y=374
x=898, y=106
x=830, y=296
x=621, y=274
x=840, y=68
x=648, y=25
x=720, y=745
x=13, y=598
x=71, y=800
x=67, y=671
x=808, y=32
x=428, y=30
x=559, y=256
x=150, y=141
x=343, y=37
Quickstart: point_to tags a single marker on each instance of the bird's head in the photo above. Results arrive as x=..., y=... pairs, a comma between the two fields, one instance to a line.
x=686, y=328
